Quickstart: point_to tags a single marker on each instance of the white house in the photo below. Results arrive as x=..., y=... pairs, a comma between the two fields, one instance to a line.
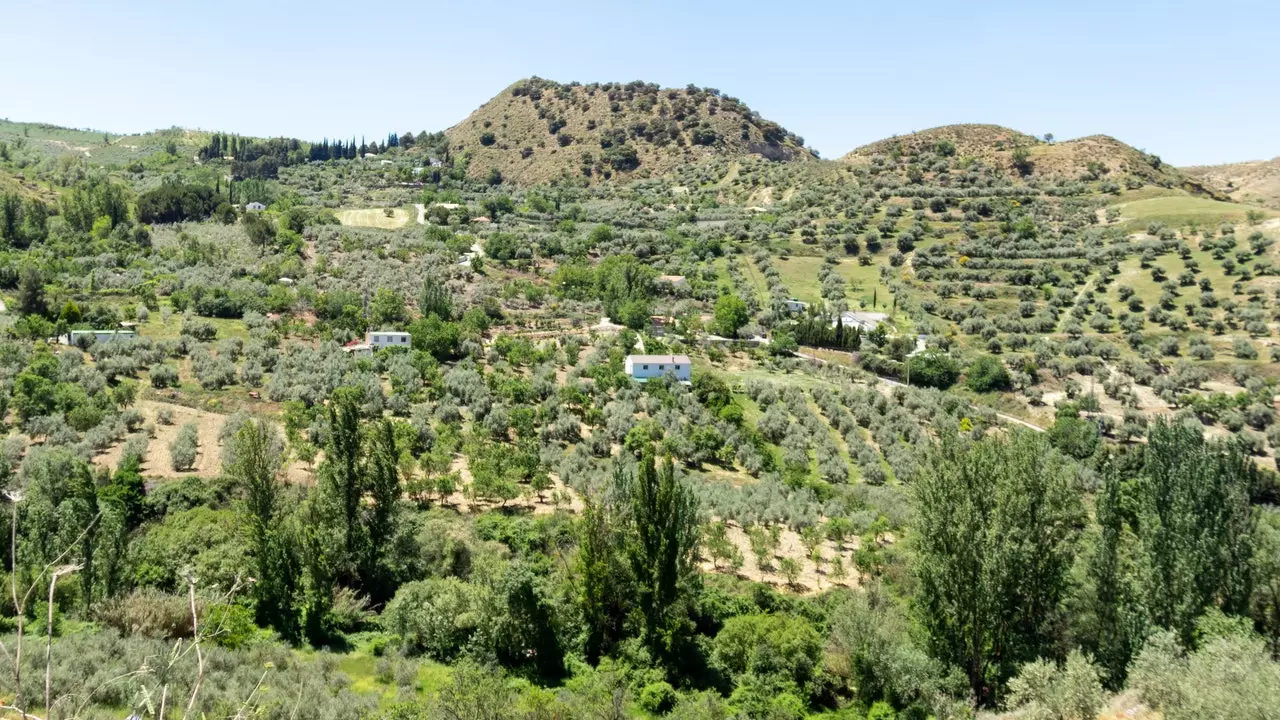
x=795, y=306
x=867, y=321
x=255, y=207
x=387, y=338
x=376, y=341
x=643, y=367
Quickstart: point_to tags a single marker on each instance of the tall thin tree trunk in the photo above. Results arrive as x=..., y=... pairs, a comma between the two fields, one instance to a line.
x=13, y=587
x=195, y=632
x=48, y=647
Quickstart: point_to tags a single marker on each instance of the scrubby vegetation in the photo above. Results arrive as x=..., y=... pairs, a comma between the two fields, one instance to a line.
x=974, y=425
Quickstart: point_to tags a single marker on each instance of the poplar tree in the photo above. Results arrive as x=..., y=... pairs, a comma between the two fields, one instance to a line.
x=662, y=551
x=384, y=491
x=997, y=526
x=342, y=476
x=256, y=472
x=1196, y=526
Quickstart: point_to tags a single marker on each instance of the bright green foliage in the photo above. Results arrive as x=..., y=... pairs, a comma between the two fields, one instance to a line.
x=730, y=315
x=933, y=368
x=997, y=523
x=435, y=617
x=1195, y=525
x=200, y=539
x=780, y=650
x=255, y=471
x=987, y=374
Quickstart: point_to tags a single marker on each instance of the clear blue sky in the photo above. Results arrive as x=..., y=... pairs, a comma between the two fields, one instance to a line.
x=1192, y=82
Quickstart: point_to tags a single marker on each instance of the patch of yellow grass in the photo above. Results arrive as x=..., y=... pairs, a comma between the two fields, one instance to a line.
x=374, y=217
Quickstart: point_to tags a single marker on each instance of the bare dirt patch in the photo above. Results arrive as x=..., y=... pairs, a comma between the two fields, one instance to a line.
x=156, y=464
x=810, y=580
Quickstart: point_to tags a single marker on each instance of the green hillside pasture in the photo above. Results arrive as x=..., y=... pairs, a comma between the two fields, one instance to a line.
x=1182, y=210
x=800, y=274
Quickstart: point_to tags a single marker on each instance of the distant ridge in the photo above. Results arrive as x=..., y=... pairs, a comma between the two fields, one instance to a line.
x=1015, y=153
x=537, y=130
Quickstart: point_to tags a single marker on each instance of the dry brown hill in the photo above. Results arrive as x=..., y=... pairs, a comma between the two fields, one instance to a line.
x=1093, y=158
x=1256, y=183
x=538, y=130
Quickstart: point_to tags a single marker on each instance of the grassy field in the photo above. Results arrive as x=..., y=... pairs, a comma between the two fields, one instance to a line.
x=800, y=274
x=1182, y=210
x=374, y=217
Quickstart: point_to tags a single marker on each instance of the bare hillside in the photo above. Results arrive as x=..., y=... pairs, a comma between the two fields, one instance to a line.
x=1256, y=182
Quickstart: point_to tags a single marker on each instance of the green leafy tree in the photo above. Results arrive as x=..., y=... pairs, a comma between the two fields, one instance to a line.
x=259, y=229
x=31, y=298
x=255, y=470
x=997, y=526
x=1115, y=612
x=605, y=586
x=987, y=374
x=664, y=545
x=342, y=477
x=381, y=524
x=731, y=314
x=1195, y=525
x=435, y=299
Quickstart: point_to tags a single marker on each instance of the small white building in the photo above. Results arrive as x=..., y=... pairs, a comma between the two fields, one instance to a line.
x=387, y=338
x=82, y=338
x=378, y=340
x=677, y=282
x=358, y=349
x=867, y=321
x=644, y=367
x=795, y=306
x=255, y=207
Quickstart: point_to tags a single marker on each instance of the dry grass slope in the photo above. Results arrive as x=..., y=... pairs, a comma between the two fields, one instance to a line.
x=538, y=131
x=1255, y=183
x=1092, y=157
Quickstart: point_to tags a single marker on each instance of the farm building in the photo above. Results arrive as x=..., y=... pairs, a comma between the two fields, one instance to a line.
x=678, y=282
x=867, y=321
x=387, y=338
x=376, y=341
x=255, y=207
x=795, y=306
x=644, y=367
x=82, y=338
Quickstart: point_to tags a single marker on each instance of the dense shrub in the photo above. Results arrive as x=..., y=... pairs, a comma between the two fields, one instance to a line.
x=987, y=374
